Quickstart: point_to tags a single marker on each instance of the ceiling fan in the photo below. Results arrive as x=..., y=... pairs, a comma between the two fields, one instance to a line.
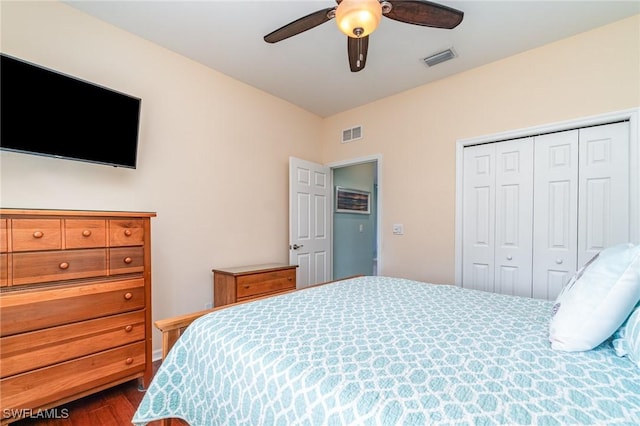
x=358, y=18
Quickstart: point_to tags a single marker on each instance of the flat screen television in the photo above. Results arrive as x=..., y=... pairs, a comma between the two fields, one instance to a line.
x=45, y=112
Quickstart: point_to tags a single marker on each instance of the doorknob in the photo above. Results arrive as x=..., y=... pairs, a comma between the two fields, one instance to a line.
x=296, y=247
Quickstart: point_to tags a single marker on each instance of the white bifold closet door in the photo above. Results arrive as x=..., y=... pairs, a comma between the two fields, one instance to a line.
x=581, y=201
x=536, y=209
x=555, y=245
x=498, y=203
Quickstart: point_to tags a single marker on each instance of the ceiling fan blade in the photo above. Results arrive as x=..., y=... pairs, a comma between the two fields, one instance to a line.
x=299, y=25
x=424, y=13
x=357, y=49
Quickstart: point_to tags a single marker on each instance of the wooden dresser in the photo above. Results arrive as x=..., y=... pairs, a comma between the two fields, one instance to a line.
x=231, y=285
x=75, y=305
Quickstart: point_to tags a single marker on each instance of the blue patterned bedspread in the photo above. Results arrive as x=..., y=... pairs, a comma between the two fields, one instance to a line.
x=387, y=351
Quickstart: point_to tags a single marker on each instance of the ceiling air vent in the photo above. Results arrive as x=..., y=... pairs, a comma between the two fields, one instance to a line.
x=440, y=57
x=352, y=134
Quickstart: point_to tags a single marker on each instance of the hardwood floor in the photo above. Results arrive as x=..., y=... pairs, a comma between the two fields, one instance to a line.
x=111, y=407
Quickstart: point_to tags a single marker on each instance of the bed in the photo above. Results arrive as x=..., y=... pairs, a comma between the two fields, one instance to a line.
x=387, y=351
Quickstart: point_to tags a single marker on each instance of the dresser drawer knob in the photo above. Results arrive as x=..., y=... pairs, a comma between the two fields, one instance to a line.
x=128, y=296
x=129, y=361
x=64, y=265
x=86, y=233
x=127, y=232
x=38, y=234
x=128, y=328
x=128, y=260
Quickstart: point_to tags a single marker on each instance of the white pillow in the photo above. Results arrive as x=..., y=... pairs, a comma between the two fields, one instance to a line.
x=595, y=303
x=626, y=341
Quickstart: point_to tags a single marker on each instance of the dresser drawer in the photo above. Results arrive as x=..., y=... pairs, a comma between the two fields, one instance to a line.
x=126, y=260
x=85, y=233
x=36, y=234
x=36, y=349
x=39, y=387
x=39, y=267
x=265, y=282
x=3, y=236
x=4, y=269
x=22, y=311
x=126, y=232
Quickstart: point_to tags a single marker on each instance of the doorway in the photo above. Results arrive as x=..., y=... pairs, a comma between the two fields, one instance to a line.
x=355, y=230
x=313, y=211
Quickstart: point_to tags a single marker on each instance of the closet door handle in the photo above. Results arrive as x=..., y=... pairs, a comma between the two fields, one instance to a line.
x=509, y=257
x=559, y=261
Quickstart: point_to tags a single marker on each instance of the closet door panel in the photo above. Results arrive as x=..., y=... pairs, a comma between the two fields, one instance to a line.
x=603, y=195
x=479, y=217
x=514, y=211
x=555, y=212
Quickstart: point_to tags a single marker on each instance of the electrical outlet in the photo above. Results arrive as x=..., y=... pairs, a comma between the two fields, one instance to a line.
x=398, y=229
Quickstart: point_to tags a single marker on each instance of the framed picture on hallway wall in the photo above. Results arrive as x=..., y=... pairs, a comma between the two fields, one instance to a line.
x=352, y=201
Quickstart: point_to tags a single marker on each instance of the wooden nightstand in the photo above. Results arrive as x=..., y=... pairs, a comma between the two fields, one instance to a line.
x=232, y=285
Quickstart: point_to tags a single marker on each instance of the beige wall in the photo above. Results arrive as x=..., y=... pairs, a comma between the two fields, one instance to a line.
x=213, y=152
x=416, y=131
x=204, y=137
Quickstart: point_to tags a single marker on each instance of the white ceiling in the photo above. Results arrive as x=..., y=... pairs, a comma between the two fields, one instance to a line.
x=311, y=69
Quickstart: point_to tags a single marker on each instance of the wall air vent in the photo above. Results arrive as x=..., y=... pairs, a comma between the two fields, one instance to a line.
x=352, y=134
x=440, y=57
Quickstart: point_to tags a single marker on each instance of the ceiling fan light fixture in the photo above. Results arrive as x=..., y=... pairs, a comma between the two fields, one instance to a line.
x=358, y=18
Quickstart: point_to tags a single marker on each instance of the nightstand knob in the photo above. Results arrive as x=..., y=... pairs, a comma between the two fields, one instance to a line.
x=127, y=260
x=38, y=234
x=63, y=265
x=127, y=232
x=128, y=296
x=129, y=361
x=86, y=233
x=128, y=328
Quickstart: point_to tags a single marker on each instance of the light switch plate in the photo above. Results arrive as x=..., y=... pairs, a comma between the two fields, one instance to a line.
x=398, y=229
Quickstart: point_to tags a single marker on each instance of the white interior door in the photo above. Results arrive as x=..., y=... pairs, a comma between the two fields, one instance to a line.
x=555, y=213
x=309, y=221
x=514, y=215
x=603, y=197
x=479, y=217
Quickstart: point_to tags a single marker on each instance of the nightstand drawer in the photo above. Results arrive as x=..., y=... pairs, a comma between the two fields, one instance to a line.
x=241, y=283
x=40, y=267
x=265, y=282
x=36, y=349
x=22, y=311
x=68, y=378
x=36, y=234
